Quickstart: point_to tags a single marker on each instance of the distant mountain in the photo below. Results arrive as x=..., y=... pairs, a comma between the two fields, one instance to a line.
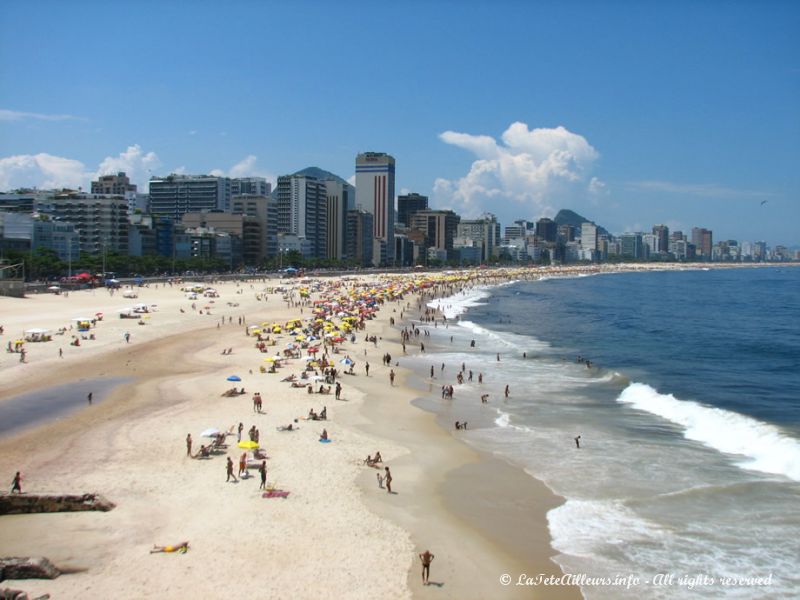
x=318, y=173
x=570, y=217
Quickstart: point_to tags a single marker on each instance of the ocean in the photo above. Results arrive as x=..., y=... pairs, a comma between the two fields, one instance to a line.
x=688, y=474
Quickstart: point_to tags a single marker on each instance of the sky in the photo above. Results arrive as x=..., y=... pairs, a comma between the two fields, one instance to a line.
x=630, y=113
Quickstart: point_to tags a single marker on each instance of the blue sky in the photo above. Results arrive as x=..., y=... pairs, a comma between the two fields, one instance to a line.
x=631, y=113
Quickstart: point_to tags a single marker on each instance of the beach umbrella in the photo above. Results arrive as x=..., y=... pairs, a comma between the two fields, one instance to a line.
x=346, y=361
x=313, y=350
x=234, y=378
x=247, y=445
x=211, y=432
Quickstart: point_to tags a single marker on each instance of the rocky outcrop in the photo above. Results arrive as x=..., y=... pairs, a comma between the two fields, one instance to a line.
x=27, y=568
x=20, y=504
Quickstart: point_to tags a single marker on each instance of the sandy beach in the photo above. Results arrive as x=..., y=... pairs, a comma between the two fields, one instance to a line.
x=337, y=532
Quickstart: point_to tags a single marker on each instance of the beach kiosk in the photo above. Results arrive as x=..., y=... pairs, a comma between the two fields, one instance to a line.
x=82, y=323
x=37, y=334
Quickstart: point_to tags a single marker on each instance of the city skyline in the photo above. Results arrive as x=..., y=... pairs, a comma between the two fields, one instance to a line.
x=630, y=115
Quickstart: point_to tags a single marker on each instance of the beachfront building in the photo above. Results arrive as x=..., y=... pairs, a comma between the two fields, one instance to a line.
x=101, y=222
x=246, y=229
x=340, y=197
x=546, y=230
x=250, y=186
x=589, y=241
x=702, y=239
x=375, y=173
x=302, y=206
x=207, y=243
x=631, y=245
x=439, y=226
x=484, y=232
x=521, y=229
x=175, y=195
x=409, y=204
x=265, y=211
x=19, y=201
x=114, y=185
x=358, y=242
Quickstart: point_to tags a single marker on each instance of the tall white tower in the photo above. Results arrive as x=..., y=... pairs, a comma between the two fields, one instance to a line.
x=375, y=194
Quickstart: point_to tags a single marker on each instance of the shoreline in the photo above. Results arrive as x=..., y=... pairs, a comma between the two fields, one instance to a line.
x=130, y=448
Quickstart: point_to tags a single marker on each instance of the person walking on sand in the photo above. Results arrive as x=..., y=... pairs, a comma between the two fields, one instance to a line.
x=366, y=368
x=338, y=390
x=391, y=377
x=243, y=464
x=16, y=483
x=239, y=432
x=188, y=444
x=263, y=470
x=230, y=471
x=426, y=558
x=127, y=337
x=388, y=480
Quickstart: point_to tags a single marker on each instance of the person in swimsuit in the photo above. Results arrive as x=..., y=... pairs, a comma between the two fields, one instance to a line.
x=181, y=548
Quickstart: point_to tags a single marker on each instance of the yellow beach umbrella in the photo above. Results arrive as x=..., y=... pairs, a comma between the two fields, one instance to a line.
x=247, y=445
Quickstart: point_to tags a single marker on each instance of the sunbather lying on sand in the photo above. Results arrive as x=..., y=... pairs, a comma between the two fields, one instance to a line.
x=182, y=548
x=291, y=377
x=289, y=427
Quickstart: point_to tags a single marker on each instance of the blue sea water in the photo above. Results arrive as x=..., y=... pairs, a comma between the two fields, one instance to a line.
x=689, y=419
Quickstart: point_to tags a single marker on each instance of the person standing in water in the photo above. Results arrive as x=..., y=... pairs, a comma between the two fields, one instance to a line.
x=578, y=442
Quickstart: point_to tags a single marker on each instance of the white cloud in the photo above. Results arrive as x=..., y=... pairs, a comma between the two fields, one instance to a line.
x=15, y=115
x=703, y=190
x=135, y=163
x=43, y=171
x=246, y=167
x=536, y=168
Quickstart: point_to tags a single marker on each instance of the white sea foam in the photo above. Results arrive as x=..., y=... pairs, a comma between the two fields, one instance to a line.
x=767, y=448
x=504, y=420
x=453, y=306
x=587, y=527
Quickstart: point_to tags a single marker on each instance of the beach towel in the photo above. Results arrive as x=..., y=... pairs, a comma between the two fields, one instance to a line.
x=325, y=441
x=275, y=494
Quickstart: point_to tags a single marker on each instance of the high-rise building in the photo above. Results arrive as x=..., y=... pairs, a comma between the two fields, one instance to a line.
x=375, y=173
x=341, y=197
x=114, y=185
x=252, y=186
x=703, y=242
x=302, y=210
x=631, y=245
x=101, y=222
x=589, y=237
x=484, y=232
x=521, y=229
x=174, y=195
x=247, y=229
x=439, y=226
x=358, y=242
x=546, y=230
x=409, y=204
x=264, y=210
x=662, y=233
